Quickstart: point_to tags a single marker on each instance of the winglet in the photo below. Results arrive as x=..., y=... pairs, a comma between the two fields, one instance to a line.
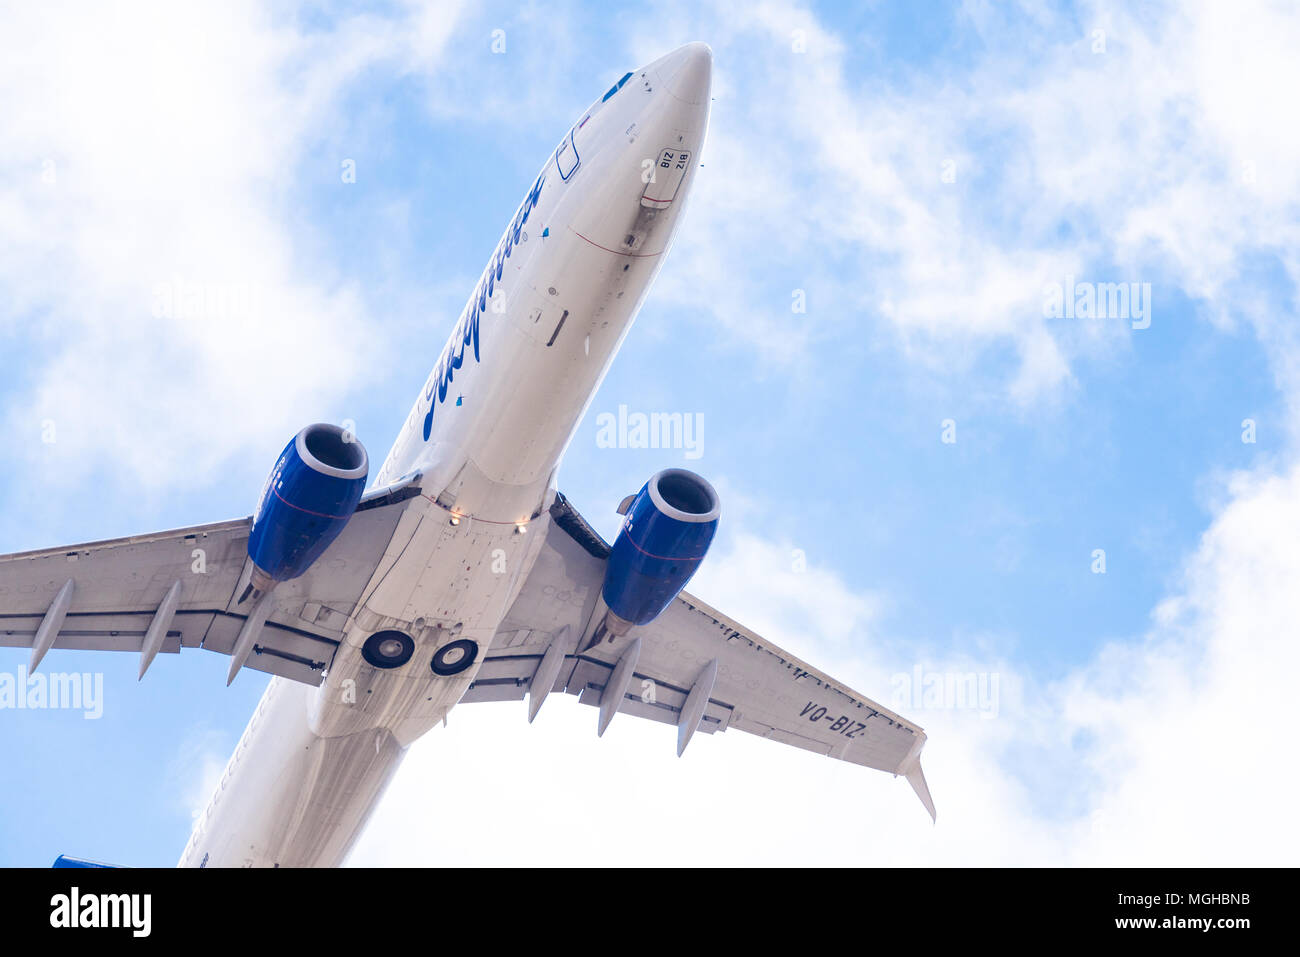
x=916, y=778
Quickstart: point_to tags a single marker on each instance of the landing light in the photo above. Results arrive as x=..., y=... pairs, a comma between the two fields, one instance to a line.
x=520, y=528
x=455, y=520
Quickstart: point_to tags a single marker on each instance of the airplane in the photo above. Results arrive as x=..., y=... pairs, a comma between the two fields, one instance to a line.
x=464, y=575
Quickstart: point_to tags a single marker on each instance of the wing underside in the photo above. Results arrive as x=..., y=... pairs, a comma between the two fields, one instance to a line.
x=119, y=588
x=693, y=667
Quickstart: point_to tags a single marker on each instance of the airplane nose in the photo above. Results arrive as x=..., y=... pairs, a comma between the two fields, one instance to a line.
x=687, y=72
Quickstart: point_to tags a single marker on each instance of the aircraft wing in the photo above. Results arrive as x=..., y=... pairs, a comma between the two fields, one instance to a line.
x=179, y=589
x=692, y=667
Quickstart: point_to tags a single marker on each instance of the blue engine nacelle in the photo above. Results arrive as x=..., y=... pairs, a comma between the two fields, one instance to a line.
x=667, y=531
x=309, y=496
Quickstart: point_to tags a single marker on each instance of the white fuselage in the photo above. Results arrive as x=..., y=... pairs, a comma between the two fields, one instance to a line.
x=485, y=436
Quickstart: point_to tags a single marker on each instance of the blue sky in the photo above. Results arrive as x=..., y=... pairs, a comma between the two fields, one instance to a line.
x=919, y=175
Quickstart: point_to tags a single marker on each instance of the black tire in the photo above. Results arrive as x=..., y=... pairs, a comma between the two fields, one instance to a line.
x=379, y=650
x=468, y=650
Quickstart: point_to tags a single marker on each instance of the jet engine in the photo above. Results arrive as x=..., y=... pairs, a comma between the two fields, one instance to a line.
x=308, y=498
x=667, y=531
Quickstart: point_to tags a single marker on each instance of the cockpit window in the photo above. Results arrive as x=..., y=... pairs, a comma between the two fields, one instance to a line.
x=616, y=87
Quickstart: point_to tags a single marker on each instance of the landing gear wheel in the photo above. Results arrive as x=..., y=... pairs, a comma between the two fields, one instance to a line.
x=454, y=657
x=388, y=649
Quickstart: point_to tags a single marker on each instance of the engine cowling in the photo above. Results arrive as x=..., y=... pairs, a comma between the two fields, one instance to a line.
x=667, y=532
x=308, y=498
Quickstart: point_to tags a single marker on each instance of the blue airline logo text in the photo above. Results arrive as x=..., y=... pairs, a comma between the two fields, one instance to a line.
x=466, y=331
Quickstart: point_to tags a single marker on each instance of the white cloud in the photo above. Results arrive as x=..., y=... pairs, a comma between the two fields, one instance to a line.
x=797, y=593
x=149, y=148
x=1191, y=725
x=197, y=767
x=1165, y=158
